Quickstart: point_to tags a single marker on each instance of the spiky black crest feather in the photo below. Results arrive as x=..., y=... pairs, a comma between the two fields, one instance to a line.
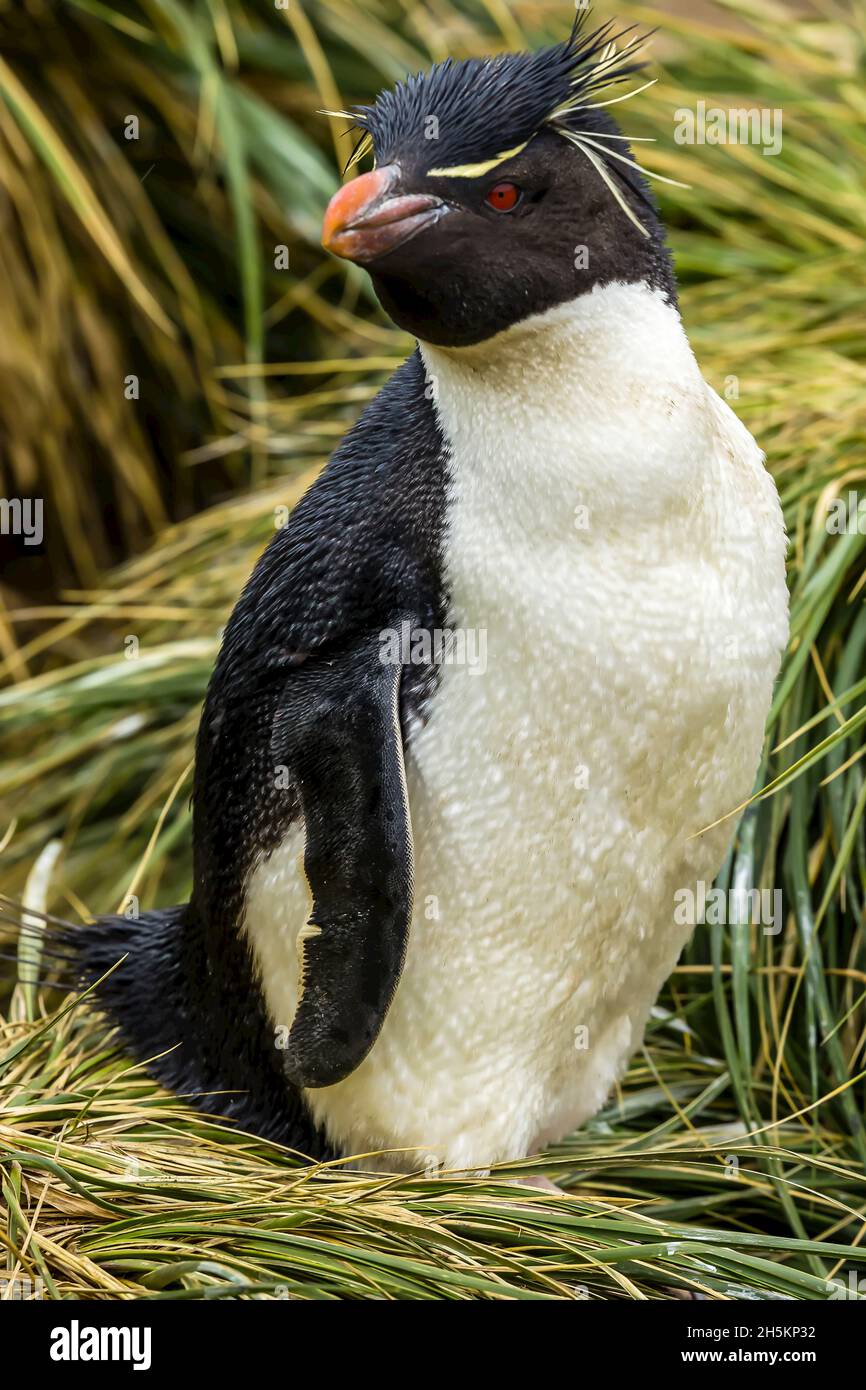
x=482, y=107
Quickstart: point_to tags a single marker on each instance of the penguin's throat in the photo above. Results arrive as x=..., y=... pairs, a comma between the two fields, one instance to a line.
x=615, y=338
x=597, y=403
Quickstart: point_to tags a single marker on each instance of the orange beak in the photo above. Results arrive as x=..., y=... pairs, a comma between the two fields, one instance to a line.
x=363, y=222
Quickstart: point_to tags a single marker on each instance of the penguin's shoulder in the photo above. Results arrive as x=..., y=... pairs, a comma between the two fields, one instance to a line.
x=363, y=542
x=360, y=550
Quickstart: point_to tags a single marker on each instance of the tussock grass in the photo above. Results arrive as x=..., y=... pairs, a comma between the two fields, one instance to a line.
x=732, y=1160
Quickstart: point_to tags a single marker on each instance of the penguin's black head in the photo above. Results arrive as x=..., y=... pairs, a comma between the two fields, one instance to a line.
x=502, y=187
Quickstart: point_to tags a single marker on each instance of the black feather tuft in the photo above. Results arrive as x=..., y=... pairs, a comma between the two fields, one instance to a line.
x=472, y=111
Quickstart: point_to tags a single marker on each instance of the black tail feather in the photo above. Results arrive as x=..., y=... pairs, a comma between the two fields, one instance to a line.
x=199, y=1024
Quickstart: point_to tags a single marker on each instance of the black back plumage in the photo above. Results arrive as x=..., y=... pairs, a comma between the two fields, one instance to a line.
x=364, y=542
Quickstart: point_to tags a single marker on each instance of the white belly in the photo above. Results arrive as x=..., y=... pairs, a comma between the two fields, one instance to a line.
x=556, y=796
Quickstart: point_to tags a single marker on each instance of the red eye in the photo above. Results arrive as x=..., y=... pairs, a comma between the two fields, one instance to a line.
x=503, y=196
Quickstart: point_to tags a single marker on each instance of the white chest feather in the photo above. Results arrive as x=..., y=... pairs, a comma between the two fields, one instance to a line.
x=615, y=549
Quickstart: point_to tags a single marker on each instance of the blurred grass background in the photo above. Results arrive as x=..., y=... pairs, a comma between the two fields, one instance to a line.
x=187, y=258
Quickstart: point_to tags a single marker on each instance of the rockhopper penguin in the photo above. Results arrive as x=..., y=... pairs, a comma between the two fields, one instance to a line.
x=435, y=875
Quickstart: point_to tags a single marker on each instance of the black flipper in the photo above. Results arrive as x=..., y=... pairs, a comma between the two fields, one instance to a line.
x=337, y=730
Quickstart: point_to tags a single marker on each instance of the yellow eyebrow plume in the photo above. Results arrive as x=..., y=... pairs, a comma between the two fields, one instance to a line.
x=474, y=171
